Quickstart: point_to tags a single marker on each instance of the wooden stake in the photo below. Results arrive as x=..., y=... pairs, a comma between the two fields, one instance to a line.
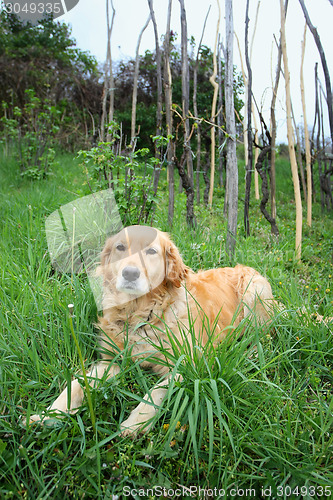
x=291, y=146
x=307, y=140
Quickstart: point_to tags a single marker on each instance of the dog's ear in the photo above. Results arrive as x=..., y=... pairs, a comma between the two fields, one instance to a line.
x=105, y=256
x=176, y=271
x=106, y=252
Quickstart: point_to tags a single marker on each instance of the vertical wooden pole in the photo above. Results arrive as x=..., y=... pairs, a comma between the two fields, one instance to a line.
x=291, y=146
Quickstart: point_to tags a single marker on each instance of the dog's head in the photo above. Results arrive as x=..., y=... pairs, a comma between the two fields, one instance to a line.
x=138, y=259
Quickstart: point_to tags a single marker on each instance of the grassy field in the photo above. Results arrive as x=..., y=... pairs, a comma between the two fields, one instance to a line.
x=253, y=419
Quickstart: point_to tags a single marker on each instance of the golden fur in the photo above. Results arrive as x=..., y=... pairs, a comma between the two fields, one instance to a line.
x=222, y=295
x=146, y=286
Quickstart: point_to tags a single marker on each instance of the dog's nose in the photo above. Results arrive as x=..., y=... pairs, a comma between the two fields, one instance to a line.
x=131, y=273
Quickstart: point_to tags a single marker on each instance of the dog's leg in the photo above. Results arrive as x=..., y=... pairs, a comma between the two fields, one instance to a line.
x=258, y=299
x=138, y=419
x=60, y=405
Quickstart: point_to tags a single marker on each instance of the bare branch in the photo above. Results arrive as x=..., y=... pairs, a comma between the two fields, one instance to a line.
x=135, y=83
x=324, y=65
x=195, y=107
x=108, y=89
x=212, y=80
x=168, y=116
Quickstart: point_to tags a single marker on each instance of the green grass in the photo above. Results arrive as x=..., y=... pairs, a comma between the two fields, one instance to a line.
x=255, y=413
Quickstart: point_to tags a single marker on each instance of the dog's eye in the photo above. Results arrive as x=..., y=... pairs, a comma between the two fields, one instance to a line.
x=151, y=251
x=120, y=247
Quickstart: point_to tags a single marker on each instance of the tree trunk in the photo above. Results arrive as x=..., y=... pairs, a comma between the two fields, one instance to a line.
x=232, y=170
x=212, y=80
x=256, y=155
x=256, y=151
x=111, y=85
x=221, y=139
x=261, y=167
x=299, y=157
x=158, y=150
x=273, y=123
x=168, y=115
x=135, y=83
x=317, y=111
x=327, y=170
x=244, y=122
x=292, y=155
x=189, y=184
x=185, y=89
x=108, y=88
x=245, y=119
x=307, y=140
x=195, y=109
x=249, y=163
x=266, y=150
x=206, y=178
x=189, y=190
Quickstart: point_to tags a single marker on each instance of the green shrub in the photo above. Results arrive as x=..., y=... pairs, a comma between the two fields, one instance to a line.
x=130, y=175
x=29, y=134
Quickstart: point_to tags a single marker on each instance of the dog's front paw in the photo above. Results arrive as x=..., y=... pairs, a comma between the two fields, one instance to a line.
x=44, y=419
x=137, y=423
x=128, y=431
x=131, y=428
x=33, y=419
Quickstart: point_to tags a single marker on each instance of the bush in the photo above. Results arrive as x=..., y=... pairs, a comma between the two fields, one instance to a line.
x=30, y=135
x=130, y=176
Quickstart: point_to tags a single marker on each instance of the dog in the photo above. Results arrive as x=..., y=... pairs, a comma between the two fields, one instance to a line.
x=148, y=294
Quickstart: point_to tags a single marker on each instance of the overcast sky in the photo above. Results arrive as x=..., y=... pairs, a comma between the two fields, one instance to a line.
x=88, y=22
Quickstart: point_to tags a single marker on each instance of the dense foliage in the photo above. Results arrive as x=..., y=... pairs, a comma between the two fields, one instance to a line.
x=44, y=59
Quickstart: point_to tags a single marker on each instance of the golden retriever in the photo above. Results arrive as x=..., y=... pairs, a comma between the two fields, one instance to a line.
x=146, y=286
